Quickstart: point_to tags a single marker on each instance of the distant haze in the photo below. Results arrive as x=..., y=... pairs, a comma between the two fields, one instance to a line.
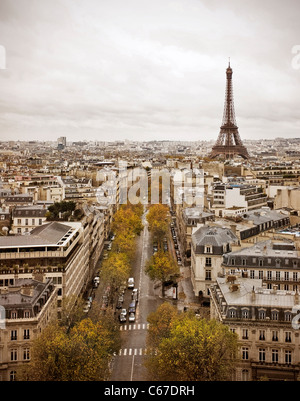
x=144, y=70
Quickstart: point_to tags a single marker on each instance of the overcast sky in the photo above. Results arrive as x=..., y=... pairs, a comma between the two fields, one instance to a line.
x=143, y=70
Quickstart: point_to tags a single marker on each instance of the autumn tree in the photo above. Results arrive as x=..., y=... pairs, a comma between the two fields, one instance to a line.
x=160, y=324
x=115, y=271
x=158, y=218
x=161, y=266
x=186, y=348
x=82, y=354
x=128, y=218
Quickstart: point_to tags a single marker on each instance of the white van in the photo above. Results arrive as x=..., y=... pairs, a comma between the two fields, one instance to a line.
x=131, y=282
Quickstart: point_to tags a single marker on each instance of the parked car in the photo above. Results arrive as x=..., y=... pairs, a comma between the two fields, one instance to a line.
x=131, y=317
x=135, y=295
x=132, y=306
x=124, y=312
x=130, y=283
x=86, y=308
x=122, y=317
x=109, y=246
x=105, y=255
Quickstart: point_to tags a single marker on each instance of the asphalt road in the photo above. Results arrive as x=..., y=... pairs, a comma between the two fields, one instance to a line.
x=128, y=364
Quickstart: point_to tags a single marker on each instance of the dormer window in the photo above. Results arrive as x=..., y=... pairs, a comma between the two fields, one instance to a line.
x=208, y=249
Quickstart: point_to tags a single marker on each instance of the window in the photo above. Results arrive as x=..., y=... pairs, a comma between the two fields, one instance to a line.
x=208, y=275
x=19, y=221
x=208, y=262
x=32, y=222
x=262, y=335
x=245, y=353
x=232, y=262
x=12, y=375
x=262, y=314
x=13, y=315
x=40, y=222
x=295, y=276
x=26, y=335
x=260, y=274
x=26, y=354
x=288, y=356
x=252, y=273
x=243, y=262
x=262, y=355
x=260, y=262
x=288, y=337
x=232, y=313
x=277, y=275
x=245, y=375
x=245, y=314
x=275, y=355
x=13, y=354
x=274, y=335
x=269, y=275
x=26, y=314
x=208, y=249
x=13, y=335
x=274, y=315
x=287, y=275
x=245, y=334
x=26, y=222
x=288, y=317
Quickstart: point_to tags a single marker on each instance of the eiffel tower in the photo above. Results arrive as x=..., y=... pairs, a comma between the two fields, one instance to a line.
x=229, y=143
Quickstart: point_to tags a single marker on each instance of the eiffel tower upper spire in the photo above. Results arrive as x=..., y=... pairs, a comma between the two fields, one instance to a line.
x=229, y=142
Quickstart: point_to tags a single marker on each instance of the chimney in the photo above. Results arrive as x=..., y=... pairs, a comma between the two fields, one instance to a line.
x=233, y=228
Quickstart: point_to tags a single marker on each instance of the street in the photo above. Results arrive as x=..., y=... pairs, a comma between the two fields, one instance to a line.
x=128, y=364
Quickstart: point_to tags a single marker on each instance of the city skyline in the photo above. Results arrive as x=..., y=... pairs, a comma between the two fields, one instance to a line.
x=140, y=71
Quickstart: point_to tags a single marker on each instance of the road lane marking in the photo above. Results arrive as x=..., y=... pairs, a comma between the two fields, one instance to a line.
x=140, y=326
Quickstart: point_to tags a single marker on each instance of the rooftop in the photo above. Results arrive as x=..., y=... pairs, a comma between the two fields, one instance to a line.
x=268, y=249
x=53, y=233
x=262, y=297
x=216, y=236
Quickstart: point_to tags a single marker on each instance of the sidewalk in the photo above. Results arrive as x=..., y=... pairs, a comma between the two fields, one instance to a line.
x=185, y=294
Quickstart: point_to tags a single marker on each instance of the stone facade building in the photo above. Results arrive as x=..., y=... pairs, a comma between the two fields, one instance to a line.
x=208, y=246
x=27, y=307
x=264, y=320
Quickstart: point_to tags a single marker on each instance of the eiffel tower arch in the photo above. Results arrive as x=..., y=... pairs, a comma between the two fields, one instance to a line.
x=229, y=143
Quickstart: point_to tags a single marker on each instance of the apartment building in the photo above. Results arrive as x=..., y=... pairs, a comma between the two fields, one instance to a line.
x=264, y=320
x=26, y=218
x=27, y=307
x=256, y=223
x=208, y=246
x=187, y=220
x=236, y=196
x=272, y=261
x=59, y=251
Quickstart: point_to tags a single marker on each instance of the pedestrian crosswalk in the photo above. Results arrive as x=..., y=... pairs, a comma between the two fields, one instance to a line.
x=133, y=351
x=139, y=326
